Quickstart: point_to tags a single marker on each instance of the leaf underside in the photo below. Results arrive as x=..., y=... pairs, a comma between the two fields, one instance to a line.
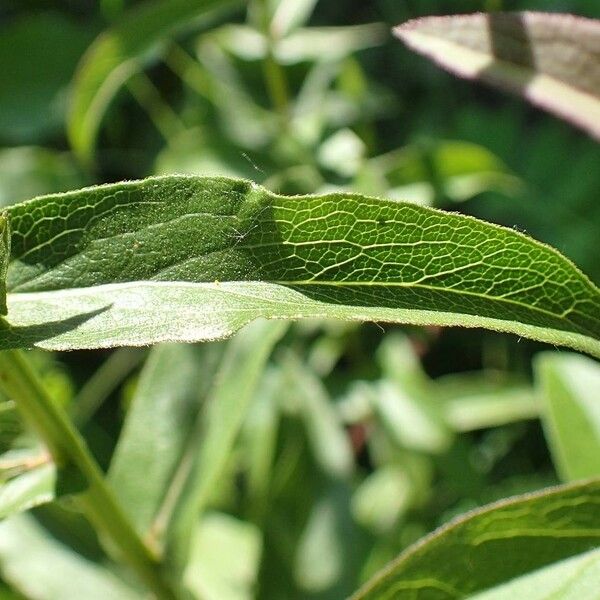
x=550, y=59
x=189, y=258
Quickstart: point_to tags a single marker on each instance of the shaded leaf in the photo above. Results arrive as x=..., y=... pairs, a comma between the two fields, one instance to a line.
x=82, y=265
x=550, y=59
x=493, y=545
x=570, y=579
x=118, y=53
x=569, y=387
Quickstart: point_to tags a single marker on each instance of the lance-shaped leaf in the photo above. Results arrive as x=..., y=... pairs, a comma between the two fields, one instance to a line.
x=569, y=388
x=191, y=258
x=4, y=259
x=494, y=545
x=550, y=59
x=119, y=53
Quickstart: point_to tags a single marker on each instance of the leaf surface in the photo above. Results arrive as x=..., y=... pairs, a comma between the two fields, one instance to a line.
x=190, y=258
x=4, y=259
x=493, y=545
x=160, y=418
x=569, y=388
x=550, y=59
x=119, y=53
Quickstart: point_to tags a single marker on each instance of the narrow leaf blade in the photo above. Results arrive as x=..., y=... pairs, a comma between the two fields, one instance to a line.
x=569, y=387
x=550, y=59
x=4, y=259
x=160, y=419
x=31, y=488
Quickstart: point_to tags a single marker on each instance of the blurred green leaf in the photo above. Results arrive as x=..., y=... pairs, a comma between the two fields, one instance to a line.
x=569, y=387
x=290, y=14
x=30, y=487
x=550, y=59
x=160, y=417
x=81, y=277
x=382, y=498
x=404, y=399
x=571, y=579
x=28, y=171
x=38, y=55
x=471, y=401
x=121, y=51
x=224, y=558
x=225, y=409
x=493, y=545
x=327, y=438
x=41, y=568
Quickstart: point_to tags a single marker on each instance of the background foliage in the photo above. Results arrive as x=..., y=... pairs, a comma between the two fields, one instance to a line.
x=318, y=464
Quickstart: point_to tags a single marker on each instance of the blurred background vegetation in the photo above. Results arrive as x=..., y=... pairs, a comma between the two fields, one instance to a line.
x=362, y=438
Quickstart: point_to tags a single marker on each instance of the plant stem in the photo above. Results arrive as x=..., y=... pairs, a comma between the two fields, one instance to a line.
x=69, y=450
x=274, y=74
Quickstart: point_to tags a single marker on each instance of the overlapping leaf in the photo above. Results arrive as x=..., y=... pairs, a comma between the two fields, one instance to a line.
x=191, y=258
x=550, y=59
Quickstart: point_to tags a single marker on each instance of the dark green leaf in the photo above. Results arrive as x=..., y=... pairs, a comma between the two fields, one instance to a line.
x=493, y=545
x=141, y=262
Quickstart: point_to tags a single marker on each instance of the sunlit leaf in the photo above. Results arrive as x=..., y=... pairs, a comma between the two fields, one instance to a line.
x=188, y=259
x=493, y=545
x=4, y=258
x=550, y=59
x=569, y=388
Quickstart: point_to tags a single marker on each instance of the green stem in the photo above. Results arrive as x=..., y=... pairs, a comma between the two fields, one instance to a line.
x=69, y=449
x=274, y=74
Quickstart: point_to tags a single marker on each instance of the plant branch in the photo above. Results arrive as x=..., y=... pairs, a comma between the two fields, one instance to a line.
x=69, y=450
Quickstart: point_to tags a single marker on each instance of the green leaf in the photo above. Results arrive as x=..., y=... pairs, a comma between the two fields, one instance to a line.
x=160, y=417
x=41, y=568
x=28, y=489
x=4, y=259
x=493, y=545
x=141, y=262
x=119, y=53
x=471, y=401
x=327, y=437
x=550, y=59
x=569, y=387
x=225, y=409
x=224, y=558
x=570, y=579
